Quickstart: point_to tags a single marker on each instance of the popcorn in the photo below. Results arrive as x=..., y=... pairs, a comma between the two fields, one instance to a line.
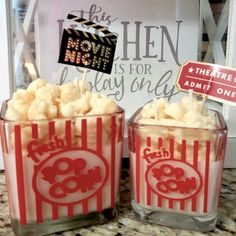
x=23, y=95
x=18, y=105
x=81, y=86
x=17, y=111
x=11, y=113
x=81, y=105
x=103, y=105
x=42, y=109
x=181, y=114
x=66, y=110
x=188, y=113
x=36, y=84
x=48, y=92
x=42, y=101
x=69, y=92
x=175, y=110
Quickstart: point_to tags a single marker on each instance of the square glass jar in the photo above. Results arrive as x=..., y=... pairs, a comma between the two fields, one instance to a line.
x=62, y=173
x=176, y=172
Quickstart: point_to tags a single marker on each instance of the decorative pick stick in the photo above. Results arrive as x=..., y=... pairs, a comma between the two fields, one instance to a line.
x=204, y=96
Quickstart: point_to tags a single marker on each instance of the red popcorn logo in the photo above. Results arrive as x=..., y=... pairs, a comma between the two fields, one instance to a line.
x=174, y=179
x=77, y=182
x=70, y=176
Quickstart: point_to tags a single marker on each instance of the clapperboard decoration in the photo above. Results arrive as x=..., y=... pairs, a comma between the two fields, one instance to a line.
x=84, y=49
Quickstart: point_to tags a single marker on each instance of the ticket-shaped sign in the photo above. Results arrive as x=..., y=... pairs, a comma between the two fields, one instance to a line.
x=84, y=49
x=215, y=81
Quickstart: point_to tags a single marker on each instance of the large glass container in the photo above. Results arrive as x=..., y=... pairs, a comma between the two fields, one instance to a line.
x=62, y=173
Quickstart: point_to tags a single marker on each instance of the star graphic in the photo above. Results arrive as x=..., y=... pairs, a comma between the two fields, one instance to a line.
x=190, y=70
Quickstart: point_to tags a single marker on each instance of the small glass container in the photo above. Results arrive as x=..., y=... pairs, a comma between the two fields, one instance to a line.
x=62, y=173
x=176, y=173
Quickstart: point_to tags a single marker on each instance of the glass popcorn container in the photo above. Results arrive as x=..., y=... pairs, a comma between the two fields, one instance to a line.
x=176, y=173
x=62, y=173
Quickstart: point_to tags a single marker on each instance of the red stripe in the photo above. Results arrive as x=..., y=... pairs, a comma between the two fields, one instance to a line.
x=99, y=200
x=159, y=198
x=34, y=131
x=39, y=210
x=3, y=137
x=133, y=140
x=120, y=132
x=113, y=152
x=183, y=158
x=159, y=201
x=84, y=133
x=171, y=203
x=195, y=153
x=70, y=210
x=85, y=207
x=137, y=152
x=51, y=126
x=68, y=136
x=54, y=212
x=51, y=132
x=194, y=203
x=160, y=142
x=20, y=175
x=171, y=142
x=149, y=193
x=171, y=148
x=99, y=135
x=195, y=165
x=183, y=150
x=68, y=133
x=99, y=151
x=182, y=204
x=206, y=182
x=148, y=141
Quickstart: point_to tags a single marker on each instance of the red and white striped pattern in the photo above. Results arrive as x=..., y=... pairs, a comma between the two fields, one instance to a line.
x=203, y=202
x=31, y=205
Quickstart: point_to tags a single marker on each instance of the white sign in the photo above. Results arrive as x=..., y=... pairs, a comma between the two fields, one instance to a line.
x=154, y=38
